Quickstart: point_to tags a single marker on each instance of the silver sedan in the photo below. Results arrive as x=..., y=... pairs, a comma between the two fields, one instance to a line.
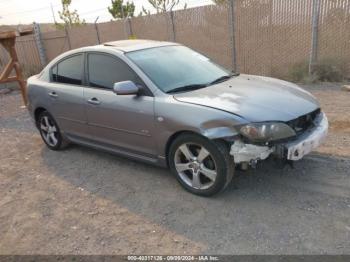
x=166, y=104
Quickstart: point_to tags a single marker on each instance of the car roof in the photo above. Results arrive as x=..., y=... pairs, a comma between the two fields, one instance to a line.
x=134, y=45
x=119, y=46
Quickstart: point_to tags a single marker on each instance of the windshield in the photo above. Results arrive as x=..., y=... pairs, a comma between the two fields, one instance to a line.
x=177, y=67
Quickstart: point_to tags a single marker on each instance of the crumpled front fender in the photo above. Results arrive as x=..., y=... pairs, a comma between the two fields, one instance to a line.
x=219, y=128
x=219, y=132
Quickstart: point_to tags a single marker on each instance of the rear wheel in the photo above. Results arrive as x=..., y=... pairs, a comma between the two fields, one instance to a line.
x=50, y=132
x=202, y=166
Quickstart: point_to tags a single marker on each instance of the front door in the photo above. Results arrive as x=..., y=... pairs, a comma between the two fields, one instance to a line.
x=123, y=121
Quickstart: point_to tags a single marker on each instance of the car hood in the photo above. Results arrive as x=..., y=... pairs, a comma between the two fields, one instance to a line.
x=254, y=98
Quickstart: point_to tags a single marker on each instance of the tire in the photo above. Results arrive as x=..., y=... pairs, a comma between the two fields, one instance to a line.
x=201, y=176
x=50, y=132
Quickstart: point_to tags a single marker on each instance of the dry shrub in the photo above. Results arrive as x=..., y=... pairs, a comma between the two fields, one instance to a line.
x=326, y=70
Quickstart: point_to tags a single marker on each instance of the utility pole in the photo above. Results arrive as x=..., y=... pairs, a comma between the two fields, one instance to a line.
x=53, y=13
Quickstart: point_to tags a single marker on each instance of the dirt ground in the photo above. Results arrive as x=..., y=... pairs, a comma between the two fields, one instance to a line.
x=82, y=201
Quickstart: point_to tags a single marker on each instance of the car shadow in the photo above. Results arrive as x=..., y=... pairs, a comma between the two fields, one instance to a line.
x=261, y=210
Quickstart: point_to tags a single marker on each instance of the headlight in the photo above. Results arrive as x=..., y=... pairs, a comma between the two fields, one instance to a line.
x=264, y=132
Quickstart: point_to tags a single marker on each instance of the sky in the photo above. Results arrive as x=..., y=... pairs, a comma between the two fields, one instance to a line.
x=13, y=12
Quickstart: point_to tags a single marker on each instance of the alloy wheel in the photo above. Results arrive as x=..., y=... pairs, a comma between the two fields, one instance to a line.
x=195, y=166
x=49, y=131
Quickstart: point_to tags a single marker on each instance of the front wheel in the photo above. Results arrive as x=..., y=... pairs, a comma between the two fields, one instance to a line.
x=202, y=166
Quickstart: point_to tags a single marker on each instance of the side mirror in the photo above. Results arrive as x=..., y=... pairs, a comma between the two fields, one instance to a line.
x=125, y=88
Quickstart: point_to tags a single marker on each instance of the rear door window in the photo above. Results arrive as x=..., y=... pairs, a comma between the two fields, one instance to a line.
x=69, y=71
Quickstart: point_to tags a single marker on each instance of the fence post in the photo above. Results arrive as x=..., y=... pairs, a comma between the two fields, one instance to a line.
x=232, y=34
x=173, y=35
x=314, y=35
x=125, y=23
x=126, y=27
x=67, y=37
x=97, y=32
x=131, y=33
x=39, y=44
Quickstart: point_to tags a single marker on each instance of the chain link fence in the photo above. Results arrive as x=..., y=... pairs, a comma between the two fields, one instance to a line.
x=273, y=35
x=334, y=33
x=264, y=37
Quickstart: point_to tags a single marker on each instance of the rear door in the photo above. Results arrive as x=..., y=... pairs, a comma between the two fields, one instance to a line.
x=66, y=95
x=122, y=121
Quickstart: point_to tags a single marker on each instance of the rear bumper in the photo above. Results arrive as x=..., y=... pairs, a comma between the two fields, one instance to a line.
x=294, y=150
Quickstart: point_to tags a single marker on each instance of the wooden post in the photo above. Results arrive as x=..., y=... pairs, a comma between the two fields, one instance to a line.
x=7, y=40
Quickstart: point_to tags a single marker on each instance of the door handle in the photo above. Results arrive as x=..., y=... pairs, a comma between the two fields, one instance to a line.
x=53, y=94
x=94, y=101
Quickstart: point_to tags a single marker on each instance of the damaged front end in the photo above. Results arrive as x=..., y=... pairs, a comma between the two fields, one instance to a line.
x=245, y=154
x=285, y=141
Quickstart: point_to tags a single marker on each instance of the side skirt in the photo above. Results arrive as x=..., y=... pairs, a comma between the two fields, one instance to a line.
x=117, y=150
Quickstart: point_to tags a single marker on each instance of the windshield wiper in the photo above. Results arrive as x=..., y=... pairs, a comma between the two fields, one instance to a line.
x=223, y=78
x=187, y=88
x=198, y=86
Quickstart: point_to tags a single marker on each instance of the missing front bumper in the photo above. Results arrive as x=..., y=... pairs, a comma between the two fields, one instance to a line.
x=294, y=150
x=308, y=141
x=247, y=153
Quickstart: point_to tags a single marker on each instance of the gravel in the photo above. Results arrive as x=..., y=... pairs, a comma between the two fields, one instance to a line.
x=82, y=201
